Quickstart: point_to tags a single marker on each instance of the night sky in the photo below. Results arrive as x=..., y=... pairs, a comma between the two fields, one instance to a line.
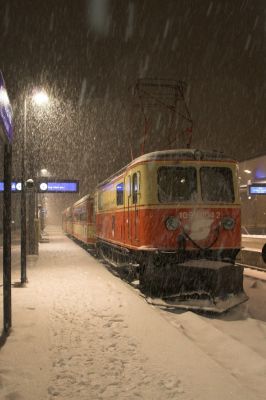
x=89, y=53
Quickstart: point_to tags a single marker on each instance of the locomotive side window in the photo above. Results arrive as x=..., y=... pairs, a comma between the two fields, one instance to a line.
x=120, y=194
x=176, y=184
x=129, y=185
x=135, y=187
x=217, y=184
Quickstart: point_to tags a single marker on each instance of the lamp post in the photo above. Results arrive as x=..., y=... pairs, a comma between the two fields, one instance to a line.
x=40, y=98
x=44, y=174
x=23, y=277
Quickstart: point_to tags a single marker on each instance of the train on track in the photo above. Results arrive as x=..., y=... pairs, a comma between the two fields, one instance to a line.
x=172, y=220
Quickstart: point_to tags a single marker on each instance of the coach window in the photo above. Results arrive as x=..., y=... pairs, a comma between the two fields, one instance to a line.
x=76, y=216
x=90, y=212
x=83, y=215
x=120, y=194
x=135, y=186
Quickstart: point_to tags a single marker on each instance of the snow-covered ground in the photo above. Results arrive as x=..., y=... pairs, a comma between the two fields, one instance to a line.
x=81, y=333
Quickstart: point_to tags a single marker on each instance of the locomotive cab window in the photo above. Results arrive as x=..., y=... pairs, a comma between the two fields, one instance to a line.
x=120, y=194
x=177, y=184
x=217, y=184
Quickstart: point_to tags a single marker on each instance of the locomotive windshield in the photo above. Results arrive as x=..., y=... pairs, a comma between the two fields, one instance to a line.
x=176, y=184
x=217, y=184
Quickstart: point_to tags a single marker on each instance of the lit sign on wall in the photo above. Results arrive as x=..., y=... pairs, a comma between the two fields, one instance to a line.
x=257, y=188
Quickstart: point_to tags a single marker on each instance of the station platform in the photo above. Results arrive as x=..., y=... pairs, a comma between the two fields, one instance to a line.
x=81, y=333
x=250, y=254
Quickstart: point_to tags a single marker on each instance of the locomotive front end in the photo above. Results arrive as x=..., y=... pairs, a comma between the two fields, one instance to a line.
x=194, y=227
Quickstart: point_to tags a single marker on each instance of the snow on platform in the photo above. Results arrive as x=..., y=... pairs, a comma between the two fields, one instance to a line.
x=81, y=333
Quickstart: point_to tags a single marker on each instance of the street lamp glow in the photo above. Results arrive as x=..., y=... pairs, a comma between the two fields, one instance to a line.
x=4, y=97
x=44, y=172
x=40, y=98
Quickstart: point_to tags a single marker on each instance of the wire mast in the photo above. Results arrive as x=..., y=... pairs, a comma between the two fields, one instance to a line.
x=164, y=96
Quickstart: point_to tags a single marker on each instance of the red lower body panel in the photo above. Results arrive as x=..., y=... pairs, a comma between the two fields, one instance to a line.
x=146, y=228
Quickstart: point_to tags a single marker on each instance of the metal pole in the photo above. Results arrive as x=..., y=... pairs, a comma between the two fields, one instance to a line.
x=23, y=278
x=7, y=238
x=32, y=225
x=31, y=215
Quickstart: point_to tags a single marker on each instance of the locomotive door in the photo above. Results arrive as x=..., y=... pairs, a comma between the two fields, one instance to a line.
x=127, y=218
x=135, y=207
x=91, y=220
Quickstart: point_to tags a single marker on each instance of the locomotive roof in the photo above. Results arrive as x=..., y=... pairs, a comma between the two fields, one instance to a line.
x=183, y=154
x=176, y=154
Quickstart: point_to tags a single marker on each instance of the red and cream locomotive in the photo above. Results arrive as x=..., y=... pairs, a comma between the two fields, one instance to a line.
x=172, y=218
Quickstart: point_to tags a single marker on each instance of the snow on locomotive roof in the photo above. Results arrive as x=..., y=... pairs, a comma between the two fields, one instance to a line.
x=183, y=154
x=177, y=154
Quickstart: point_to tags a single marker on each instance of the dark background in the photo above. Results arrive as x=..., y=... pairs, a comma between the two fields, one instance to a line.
x=89, y=53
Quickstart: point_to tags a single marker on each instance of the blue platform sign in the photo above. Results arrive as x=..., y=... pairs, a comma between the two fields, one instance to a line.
x=6, y=125
x=63, y=186
x=46, y=186
x=15, y=186
x=257, y=188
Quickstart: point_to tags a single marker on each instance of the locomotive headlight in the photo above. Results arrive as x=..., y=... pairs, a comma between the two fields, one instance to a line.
x=172, y=223
x=228, y=223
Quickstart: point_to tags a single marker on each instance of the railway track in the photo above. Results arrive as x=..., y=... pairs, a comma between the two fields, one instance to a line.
x=255, y=268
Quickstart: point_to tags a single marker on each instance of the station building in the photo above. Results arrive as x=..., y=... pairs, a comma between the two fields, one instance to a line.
x=253, y=195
